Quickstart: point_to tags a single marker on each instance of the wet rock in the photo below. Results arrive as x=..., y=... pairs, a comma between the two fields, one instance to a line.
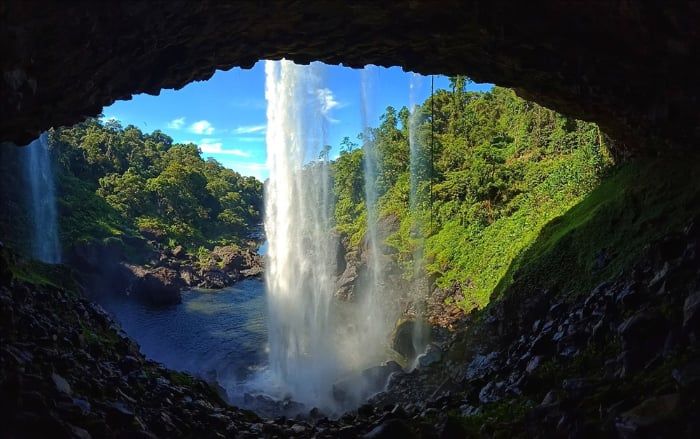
x=577, y=387
x=410, y=337
x=691, y=312
x=345, y=285
x=119, y=415
x=432, y=355
x=61, y=384
x=688, y=376
x=158, y=286
x=533, y=364
x=214, y=279
x=481, y=366
x=359, y=386
x=188, y=276
x=643, y=418
x=491, y=392
x=393, y=428
x=643, y=330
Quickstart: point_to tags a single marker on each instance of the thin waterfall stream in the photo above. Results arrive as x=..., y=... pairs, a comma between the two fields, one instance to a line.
x=42, y=201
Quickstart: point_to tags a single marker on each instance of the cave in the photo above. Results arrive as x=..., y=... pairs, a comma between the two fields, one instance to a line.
x=627, y=66
x=61, y=64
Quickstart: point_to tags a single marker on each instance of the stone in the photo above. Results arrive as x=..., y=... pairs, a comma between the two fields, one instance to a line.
x=298, y=429
x=155, y=286
x=61, y=384
x=647, y=415
x=393, y=428
x=214, y=279
x=643, y=330
x=432, y=355
x=410, y=337
x=533, y=364
x=179, y=252
x=491, y=392
x=359, y=386
x=691, y=312
x=688, y=376
x=481, y=366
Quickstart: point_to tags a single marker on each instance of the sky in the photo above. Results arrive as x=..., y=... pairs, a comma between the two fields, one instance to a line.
x=226, y=115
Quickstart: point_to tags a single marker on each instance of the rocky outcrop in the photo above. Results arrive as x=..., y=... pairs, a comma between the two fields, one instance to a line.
x=223, y=267
x=227, y=265
x=410, y=338
x=630, y=66
x=66, y=370
x=158, y=286
x=620, y=360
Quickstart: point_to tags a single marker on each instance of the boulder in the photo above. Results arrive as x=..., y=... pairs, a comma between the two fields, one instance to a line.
x=359, y=386
x=155, y=286
x=643, y=420
x=393, y=428
x=345, y=285
x=179, y=252
x=214, y=279
x=229, y=256
x=432, y=355
x=691, y=312
x=410, y=338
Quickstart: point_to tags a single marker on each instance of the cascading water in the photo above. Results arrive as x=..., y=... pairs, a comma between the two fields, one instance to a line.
x=373, y=305
x=42, y=201
x=314, y=340
x=418, y=174
x=297, y=221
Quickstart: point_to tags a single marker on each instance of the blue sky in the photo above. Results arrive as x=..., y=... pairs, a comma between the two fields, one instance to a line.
x=226, y=115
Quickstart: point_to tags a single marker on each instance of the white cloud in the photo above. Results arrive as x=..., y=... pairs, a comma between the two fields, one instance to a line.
x=202, y=127
x=328, y=102
x=327, y=99
x=215, y=146
x=257, y=170
x=176, y=124
x=250, y=129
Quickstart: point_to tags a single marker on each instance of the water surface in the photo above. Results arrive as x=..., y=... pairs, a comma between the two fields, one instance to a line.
x=215, y=334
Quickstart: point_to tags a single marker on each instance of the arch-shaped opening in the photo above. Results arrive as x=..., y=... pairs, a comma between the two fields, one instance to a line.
x=627, y=66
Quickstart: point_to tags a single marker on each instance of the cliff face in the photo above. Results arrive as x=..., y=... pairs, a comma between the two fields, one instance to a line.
x=630, y=66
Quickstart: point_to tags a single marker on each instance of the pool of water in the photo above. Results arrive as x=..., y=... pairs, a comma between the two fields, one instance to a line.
x=219, y=335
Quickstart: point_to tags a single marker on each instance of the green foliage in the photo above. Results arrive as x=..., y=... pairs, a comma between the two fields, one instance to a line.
x=638, y=204
x=116, y=180
x=491, y=171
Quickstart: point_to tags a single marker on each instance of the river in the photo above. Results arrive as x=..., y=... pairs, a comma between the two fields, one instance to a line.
x=218, y=335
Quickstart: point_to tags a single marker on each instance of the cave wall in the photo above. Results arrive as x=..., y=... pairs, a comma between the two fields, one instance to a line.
x=628, y=65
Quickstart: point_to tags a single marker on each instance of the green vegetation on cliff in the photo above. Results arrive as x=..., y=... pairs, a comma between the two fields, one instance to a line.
x=492, y=171
x=116, y=181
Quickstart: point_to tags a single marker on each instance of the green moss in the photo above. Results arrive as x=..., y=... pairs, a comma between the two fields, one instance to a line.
x=501, y=419
x=38, y=273
x=181, y=379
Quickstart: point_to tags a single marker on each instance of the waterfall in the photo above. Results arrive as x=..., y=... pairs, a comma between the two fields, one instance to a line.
x=373, y=304
x=314, y=339
x=297, y=222
x=42, y=201
x=418, y=173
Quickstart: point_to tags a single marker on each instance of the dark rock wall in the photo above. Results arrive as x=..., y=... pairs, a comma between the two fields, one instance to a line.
x=628, y=65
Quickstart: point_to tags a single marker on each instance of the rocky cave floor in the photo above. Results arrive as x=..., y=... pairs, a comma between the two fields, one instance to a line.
x=619, y=361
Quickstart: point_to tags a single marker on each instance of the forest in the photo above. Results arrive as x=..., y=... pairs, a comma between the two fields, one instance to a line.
x=117, y=182
x=493, y=170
